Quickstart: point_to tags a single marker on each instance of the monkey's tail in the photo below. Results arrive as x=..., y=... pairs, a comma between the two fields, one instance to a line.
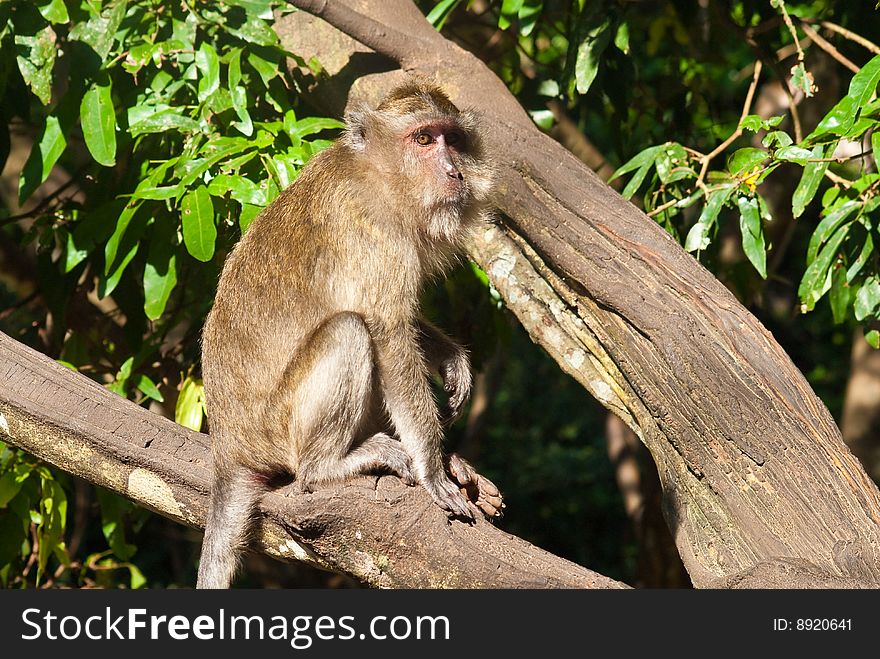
x=234, y=496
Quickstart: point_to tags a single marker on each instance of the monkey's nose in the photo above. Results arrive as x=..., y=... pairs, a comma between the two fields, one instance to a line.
x=454, y=173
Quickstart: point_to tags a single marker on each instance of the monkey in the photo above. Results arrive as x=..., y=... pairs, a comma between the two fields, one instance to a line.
x=316, y=360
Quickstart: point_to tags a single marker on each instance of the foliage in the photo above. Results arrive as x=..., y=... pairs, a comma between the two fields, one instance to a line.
x=681, y=191
x=178, y=126
x=33, y=526
x=841, y=259
x=188, y=131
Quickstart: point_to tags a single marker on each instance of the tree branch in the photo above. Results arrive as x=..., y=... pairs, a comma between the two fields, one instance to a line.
x=376, y=529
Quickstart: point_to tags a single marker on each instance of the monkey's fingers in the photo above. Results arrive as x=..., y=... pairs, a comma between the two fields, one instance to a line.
x=479, y=489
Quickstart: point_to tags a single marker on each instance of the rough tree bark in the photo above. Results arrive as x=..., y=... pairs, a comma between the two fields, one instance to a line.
x=760, y=489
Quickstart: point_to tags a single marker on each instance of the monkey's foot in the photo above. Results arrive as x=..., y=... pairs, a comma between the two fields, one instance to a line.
x=447, y=495
x=480, y=490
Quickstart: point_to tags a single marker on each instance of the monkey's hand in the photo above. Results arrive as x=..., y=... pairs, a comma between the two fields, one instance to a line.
x=479, y=490
x=457, y=380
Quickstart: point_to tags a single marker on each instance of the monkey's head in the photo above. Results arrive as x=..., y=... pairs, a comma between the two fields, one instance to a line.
x=429, y=149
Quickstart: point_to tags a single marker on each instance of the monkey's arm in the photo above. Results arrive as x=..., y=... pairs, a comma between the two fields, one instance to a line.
x=451, y=361
x=413, y=412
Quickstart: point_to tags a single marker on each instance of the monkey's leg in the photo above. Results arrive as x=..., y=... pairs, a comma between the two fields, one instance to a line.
x=235, y=492
x=451, y=361
x=335, y=403
x=413, y=412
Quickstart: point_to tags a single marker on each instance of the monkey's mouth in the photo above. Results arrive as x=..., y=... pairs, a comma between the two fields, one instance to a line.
x=454, y=189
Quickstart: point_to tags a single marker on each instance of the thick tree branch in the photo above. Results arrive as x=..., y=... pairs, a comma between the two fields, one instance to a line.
x=376, y=529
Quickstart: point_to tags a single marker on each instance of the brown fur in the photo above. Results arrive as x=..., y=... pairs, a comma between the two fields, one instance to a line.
x=314, y=355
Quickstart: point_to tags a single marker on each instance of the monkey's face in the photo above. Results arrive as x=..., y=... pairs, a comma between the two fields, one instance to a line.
x=436, y=155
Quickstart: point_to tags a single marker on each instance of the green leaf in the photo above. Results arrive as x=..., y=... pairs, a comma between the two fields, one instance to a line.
x=698, y=237
x=95, y=227
x=802, y=79
x=312, y=125
x=98, y=119
x=248, y=214
x=54, y=11
x=209, y=66
x=543, y=119
x=441, y=11
x=589, y=54
x=639, y=160
x=148, y=188
x=255, y=8
x=864, y=83
x=137, y=577
x=106, y=285
x=9, y=487
x=243, y=190
x=809, y=183
x=621, y=39
x=160, y=273
x=839, y=295
x=828, y=226
x=190, y=409
x=163, y=121
x=125, y=370
x=671, y=163
x=199, y=230
x=838, y=121
x=778, y=138
x=49, y=146
x=817, y=278
x=35, y=51
x=753, y=123
x=867, y=301
x=752, y=234
x=255, y=31
x=636, y=181
x=875, y=144
x=873, y=338
x=509, y=9
x=240, y=104
x=43, y=157
x=793, y=154
x=99, y=32
x=148, y=388
x=744, y=160
x=233, y=71
x=266, y=67
x=112, y=246
x=866, y=252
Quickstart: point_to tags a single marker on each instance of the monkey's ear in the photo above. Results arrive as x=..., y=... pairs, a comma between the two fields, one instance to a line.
x=357, y=129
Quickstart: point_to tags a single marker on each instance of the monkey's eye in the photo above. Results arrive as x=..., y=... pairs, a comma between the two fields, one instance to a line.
x=454, y=138
x=424, y=139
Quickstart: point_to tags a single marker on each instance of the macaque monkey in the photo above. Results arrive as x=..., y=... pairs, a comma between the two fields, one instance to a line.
x=315, y=358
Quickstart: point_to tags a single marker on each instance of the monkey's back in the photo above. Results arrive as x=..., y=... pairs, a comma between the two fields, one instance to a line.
x=321, y=248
